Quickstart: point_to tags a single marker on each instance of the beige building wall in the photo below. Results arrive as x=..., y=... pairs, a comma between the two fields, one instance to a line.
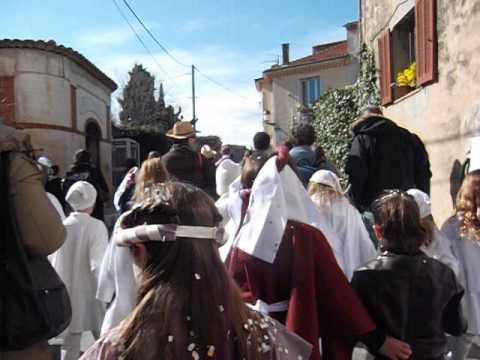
x=42, y=89
x=444, y=114
x=284, y=95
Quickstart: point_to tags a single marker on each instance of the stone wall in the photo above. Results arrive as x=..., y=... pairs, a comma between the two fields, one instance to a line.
x=43, y=84
x=444, y=114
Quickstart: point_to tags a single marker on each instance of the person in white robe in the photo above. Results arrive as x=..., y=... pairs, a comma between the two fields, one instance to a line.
x=439, y=246
x=356, y=246
x=468, y=254
x=117, y=286
x=226, y=173
x=227, y=178
x=78, y=264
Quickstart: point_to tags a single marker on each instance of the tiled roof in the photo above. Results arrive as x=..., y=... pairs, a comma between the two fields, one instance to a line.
x=324, y=53
x=52, y=46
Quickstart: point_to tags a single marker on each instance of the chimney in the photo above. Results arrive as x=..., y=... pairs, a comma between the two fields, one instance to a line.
x=285, y=54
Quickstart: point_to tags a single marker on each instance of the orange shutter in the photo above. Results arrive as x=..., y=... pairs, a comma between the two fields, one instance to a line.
x=7, y=99
x=425, y=40
x=385, y=68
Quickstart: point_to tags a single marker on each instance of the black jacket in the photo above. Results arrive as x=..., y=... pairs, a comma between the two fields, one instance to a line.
x=88, y=173
x=185, y=165
x=413, y=298
x=385, y=156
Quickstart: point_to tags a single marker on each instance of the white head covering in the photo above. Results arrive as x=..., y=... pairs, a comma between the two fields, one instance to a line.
x=277, y=197
x=423, y=202
x=81, y=196
x=227, y=172
x=326, y=177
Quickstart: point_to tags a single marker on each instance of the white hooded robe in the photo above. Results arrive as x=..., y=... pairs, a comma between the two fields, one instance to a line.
x=78, y=262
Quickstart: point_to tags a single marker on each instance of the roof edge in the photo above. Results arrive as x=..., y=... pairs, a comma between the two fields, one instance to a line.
x=53, y=47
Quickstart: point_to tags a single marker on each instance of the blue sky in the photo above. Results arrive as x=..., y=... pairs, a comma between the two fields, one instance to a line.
x=232, y=41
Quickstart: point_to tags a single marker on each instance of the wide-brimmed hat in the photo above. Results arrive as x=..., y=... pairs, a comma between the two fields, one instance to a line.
x=181, y=130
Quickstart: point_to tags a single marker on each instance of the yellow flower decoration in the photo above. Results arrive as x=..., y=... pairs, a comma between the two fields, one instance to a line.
x=408, y=76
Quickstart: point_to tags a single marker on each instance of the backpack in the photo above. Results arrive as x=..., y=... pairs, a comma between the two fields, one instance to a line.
x=34, y=302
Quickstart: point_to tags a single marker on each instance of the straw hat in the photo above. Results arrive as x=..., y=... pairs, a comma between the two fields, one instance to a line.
x=181, y=130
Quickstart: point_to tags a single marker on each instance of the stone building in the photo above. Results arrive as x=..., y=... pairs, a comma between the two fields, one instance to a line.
x=60, y=98
x=443, y=105
x=289, y=89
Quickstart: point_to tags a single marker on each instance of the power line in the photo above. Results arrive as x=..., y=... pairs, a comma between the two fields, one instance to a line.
x=219, y=84
x=153, y=37
x=167, y=92
x=175, y=59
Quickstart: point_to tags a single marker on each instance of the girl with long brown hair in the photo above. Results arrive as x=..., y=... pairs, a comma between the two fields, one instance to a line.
x=152, y=172
x=463, y=230
x=117, y=284
x=187, y=305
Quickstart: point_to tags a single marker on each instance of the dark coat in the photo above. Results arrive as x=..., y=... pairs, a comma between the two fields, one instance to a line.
x=385, y=156
x=413, y=298
x=88, y=173
x=185, y=165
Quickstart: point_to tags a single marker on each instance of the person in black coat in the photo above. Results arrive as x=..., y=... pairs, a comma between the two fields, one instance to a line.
x=409, y=295
x=384, y=156
x=182, y=162
x=83, y=170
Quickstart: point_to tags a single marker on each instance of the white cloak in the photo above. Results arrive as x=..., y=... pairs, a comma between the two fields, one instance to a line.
x=78, y=264
x=276, y=197
x=467, y=253
x=117, y=284
x=356, y=247
x=441, y=250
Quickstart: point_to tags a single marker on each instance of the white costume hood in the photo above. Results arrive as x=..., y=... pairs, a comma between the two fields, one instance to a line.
x=277, y=197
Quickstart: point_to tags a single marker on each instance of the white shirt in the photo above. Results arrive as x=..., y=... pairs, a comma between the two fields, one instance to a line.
x=117, y=283
x=78, y=262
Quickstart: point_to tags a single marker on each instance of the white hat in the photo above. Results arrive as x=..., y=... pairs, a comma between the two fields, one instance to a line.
x=81, y=196
x=423, y=202
x=45, y=161
x=326, y=177
x=227, y=172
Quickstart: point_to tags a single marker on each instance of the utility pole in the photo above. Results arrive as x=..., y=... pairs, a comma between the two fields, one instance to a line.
x=194, y=119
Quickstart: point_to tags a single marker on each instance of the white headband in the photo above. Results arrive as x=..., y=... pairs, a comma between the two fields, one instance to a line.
x=166, y=232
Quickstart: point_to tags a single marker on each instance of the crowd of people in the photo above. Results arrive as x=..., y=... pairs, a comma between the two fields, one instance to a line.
x=269, y=258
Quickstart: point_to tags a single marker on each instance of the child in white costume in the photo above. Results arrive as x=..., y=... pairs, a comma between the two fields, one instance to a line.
x=357, y=247
x=78, y=263
x=463, y=230
x=439, y=246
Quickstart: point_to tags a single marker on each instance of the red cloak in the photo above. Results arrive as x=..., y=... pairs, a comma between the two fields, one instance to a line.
x=321, y=302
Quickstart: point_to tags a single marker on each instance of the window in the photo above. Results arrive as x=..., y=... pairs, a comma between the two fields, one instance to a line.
x=310, y=91
x=408, y=54
x=402, y=44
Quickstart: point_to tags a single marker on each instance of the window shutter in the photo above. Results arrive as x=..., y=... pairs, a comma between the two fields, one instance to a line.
x=385, y=68
x=425, y=40
x=7, y=99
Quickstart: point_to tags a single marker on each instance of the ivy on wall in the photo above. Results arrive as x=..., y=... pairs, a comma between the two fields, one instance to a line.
x=334, y=112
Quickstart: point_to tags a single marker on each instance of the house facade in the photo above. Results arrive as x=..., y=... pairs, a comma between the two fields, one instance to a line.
x=60, y=98
x=289, y=89
x=436, y=41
